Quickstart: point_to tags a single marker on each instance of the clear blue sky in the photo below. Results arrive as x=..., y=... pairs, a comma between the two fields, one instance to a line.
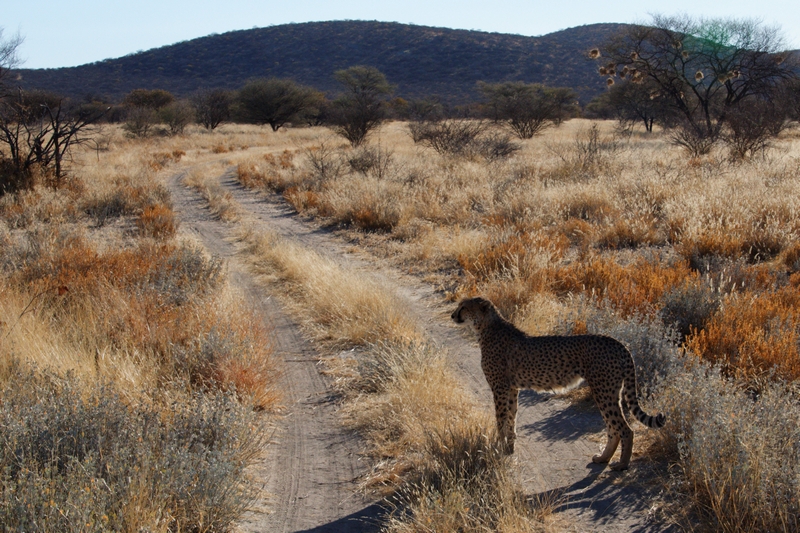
x=61, y=34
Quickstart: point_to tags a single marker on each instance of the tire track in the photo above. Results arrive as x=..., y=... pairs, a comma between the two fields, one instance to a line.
x=309, y=475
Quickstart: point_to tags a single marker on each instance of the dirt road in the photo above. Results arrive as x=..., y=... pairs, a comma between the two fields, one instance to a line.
x=311, y=471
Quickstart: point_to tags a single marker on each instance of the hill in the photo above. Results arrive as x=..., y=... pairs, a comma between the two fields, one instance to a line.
x=421, y=61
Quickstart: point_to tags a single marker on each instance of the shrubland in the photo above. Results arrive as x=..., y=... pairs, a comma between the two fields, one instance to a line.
x=691, y=261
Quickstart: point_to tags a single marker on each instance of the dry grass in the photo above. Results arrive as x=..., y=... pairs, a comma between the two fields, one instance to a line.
x=342, y=308
x=205, y=179
x=576, y=225
x=130, y=374
x=436, y=456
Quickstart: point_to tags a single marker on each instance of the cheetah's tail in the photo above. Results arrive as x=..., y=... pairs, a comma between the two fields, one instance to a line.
x=630, y=396
x=656, y=421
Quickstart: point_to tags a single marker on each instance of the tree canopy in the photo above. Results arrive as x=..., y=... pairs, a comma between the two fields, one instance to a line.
x=361, y=108
x=273, y=101
x=528, y=108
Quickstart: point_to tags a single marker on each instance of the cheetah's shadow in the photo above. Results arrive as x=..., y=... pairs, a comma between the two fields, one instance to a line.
x=562, y=421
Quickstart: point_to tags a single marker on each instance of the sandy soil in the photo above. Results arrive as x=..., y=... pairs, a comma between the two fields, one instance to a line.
x=310, y=475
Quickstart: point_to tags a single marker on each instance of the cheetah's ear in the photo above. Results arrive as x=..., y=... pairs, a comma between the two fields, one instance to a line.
x=485, y=305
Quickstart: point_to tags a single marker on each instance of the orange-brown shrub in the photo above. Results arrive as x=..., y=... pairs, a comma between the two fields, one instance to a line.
x=26, y=207
x=791, y=257
x=512, y=268
x=155, y=300
x=127, y=196
x=369, y=219
x=712, y=242
x=74, y=262
x=626, y=233
x=159, y=160
x=245, y=361
x=508, y=295
x=304, y=199
x=508, y=252
x=157, y=221
x=273, y=175
x=579, y=232
x=754, y=333
x=252, y=176
x=633, y=289
x=587, y=206
x=755, y=243
x=285, y=160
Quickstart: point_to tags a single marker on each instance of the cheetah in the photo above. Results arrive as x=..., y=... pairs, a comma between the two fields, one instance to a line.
x=512, y=360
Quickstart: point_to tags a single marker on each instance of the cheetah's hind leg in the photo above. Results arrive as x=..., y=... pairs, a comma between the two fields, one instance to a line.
x=611, y=447
x=618, y=431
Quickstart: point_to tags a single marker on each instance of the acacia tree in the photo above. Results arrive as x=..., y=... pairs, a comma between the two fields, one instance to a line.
x=361, y=108
x=706, y=69
x=142, y=110
x=274, y=101
x=177, y=115
x=150, y=98
x=211, y=108
x=529, y=108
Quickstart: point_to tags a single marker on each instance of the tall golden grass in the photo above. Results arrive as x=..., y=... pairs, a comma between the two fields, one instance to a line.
x=205, y=179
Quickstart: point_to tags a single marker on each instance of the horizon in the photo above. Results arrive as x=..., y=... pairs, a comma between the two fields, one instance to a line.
x=128, y=29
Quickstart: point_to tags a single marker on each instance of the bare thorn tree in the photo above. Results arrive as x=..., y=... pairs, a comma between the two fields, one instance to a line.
x=37, y=129
x=707, y=70
x=211, y=108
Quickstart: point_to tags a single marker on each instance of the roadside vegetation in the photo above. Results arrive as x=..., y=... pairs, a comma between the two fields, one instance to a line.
x=135, y=389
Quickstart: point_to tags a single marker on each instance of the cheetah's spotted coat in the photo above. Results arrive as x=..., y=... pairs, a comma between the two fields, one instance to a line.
x=512, y=360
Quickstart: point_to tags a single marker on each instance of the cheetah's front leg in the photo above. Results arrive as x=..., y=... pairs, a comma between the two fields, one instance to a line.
x=505, y=405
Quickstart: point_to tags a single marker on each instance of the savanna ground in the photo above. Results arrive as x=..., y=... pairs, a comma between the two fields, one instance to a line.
x=138, y=390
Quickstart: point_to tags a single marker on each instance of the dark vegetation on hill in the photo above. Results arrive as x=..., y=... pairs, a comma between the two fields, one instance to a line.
x=421, y=61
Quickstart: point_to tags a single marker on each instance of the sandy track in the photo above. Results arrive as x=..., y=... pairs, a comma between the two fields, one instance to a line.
x=311, y=471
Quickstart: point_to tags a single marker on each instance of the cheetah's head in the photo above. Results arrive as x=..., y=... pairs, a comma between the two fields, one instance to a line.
x=476, y=311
